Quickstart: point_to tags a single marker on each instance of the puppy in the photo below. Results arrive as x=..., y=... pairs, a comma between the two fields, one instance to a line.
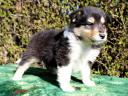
x=68, y=50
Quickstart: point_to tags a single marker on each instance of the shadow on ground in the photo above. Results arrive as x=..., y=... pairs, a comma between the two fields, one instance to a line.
x=39, y=82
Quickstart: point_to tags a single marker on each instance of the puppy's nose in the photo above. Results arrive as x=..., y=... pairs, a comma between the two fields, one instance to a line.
x=102, y=36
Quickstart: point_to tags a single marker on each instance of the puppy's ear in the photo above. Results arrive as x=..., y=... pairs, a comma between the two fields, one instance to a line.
x=76, y=16
x=108, y=18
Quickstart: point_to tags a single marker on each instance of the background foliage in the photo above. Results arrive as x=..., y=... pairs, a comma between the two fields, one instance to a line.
x=19, y=19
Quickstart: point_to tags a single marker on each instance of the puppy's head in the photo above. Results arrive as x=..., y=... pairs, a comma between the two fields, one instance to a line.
x=89, y=23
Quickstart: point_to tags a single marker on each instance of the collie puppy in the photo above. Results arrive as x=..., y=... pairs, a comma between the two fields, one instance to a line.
x=68, y=50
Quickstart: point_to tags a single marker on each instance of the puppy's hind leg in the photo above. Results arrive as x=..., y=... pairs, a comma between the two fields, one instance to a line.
x=18, y=61
x=22, y=67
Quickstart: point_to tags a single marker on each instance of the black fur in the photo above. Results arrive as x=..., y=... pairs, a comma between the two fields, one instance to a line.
x=50, y=47
x=81, y=15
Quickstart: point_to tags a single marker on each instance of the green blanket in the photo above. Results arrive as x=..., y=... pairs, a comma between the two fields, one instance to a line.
x=38, y=82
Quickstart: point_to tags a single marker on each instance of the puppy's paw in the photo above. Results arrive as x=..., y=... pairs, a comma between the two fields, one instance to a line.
x=89, y=83
x=67, y=88
x=16, y=78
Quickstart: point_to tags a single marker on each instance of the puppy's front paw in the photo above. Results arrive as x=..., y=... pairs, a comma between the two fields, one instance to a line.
x=89, y=83
x=16, y=78
x=67, y=88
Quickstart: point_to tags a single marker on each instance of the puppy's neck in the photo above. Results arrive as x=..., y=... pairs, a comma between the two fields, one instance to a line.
x=68, y=33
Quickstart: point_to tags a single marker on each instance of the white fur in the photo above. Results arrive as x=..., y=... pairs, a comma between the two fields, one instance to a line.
x=102, y=19
x=64, y=76
x=79, y=57
x=91, y=19
x=99, y=39
x=18, y=61
x=22, y=68
x=20, y=71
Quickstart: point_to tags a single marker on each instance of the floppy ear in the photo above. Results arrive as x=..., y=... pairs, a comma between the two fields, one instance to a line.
x=108, y=18
x=76, y=16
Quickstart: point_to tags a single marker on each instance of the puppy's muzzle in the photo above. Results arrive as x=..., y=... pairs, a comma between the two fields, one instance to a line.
x=102, y=35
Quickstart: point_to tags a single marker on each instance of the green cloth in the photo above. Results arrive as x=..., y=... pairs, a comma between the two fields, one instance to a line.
x=38, y=82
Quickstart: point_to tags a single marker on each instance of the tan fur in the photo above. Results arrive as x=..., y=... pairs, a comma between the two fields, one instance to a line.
x=95, y=32
x=102, y=20
x=80, y=30
x=86, y=33
x=91, y=20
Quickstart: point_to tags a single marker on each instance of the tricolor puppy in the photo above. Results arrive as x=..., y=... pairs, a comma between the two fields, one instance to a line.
x=68, y=50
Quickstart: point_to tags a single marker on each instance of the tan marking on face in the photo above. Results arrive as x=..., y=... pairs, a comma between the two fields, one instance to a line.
x=83, y=32
x=86, y=33
x=102, y=20
x=90, y=34
x=73, y=20
x=91, y=20
x=95, y=32
x=79, y=31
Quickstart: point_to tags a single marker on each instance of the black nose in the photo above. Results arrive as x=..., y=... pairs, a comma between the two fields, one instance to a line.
x=102, y=36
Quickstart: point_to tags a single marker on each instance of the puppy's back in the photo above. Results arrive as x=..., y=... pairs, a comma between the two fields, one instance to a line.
x=41, y=45
x=42, y=38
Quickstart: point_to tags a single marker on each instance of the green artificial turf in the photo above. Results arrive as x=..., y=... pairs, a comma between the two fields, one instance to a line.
x=38, y=82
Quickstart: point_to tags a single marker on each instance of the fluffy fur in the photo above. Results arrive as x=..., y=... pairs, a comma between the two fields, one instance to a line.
x=69, y=50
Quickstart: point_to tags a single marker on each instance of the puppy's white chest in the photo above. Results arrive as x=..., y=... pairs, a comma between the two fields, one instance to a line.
x=80, y=52
x=82, y=55
x=91, y=54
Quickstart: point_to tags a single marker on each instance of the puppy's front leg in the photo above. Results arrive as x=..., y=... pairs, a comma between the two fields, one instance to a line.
x=86, y=72
x=64, y=76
